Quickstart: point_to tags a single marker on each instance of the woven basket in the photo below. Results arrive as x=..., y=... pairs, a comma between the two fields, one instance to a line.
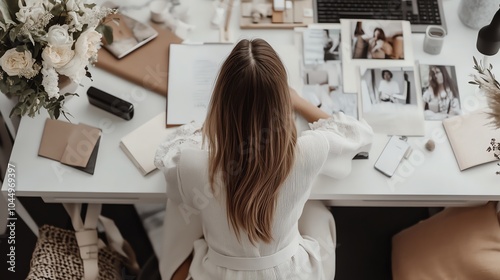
x=57, y=256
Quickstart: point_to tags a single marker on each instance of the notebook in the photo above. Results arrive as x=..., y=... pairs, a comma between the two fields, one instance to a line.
x=75, y=145
x=147, y=66
x=470, y=136
x=140, y=145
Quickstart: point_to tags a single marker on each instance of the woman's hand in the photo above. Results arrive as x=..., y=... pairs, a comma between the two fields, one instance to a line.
x=310, y=112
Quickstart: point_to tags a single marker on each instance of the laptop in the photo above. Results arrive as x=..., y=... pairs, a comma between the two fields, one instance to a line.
x=420, y=13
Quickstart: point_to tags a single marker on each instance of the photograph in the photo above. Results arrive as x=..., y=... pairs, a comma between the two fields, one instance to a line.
x=323, y=88
x=439, y=91
x=128, y=35
x=377, y=39
x=321, y=45
x=390, y=100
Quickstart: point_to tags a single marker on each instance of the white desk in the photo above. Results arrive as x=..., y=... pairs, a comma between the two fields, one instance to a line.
x=426, y=179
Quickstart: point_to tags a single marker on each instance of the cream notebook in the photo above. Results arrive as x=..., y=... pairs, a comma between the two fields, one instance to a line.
x=140, y=145
x=470, y=136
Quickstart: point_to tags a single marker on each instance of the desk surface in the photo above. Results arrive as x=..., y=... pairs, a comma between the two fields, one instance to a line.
x=427, y=178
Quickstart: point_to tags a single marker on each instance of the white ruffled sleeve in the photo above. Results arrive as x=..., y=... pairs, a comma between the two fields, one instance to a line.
x=346, y=137
x=168, y=155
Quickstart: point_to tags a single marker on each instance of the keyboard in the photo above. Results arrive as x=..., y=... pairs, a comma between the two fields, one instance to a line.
x=420, y=13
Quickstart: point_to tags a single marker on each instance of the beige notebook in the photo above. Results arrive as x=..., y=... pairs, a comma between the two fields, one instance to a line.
x=75, y=145
x=470, y=136
x=140, y=145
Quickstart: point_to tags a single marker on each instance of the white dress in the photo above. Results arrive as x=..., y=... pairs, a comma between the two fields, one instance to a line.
x=329, y=146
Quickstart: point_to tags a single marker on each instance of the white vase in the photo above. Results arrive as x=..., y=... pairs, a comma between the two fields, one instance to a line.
x=477, y=13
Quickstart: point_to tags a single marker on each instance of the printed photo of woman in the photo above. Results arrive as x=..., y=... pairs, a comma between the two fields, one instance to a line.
x=439, y=92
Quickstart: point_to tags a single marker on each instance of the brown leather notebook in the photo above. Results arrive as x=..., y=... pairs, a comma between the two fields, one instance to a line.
x=148, y=65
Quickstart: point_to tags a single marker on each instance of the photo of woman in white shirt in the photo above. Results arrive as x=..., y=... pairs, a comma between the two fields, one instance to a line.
x=387, y=88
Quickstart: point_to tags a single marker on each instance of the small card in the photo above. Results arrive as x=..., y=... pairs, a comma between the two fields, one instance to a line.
x=75, y=145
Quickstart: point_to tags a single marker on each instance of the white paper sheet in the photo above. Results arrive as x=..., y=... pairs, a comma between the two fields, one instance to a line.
x=193, y=69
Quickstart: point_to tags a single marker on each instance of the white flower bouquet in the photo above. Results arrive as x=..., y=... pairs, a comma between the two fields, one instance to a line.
x=41, y=40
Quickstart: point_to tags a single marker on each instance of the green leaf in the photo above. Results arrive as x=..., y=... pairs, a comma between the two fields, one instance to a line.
x=13, y=34
x=90, y=6
x=57, y=112
x=57, y=10
x=16, y=111
x=37, y=49
x=5, y=13
x=107, y=33
x=21, y=48
x=66, y=114
x=13, y=7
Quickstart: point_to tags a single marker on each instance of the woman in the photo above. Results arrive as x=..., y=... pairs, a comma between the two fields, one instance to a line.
x=388, y=90
x=378, y=47
x=248, y=183
x=441, y=97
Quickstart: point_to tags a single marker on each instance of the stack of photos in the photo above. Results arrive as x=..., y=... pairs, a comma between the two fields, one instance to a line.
x=439, y=91
x=378, y=66
x=321, y=71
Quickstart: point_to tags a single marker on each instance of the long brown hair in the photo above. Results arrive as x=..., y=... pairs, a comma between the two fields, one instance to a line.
x=251, y=136
x=448, y=83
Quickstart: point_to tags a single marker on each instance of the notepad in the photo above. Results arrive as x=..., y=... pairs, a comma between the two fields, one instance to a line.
x=75, y=145
x=140, y=145
x=470, y=136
